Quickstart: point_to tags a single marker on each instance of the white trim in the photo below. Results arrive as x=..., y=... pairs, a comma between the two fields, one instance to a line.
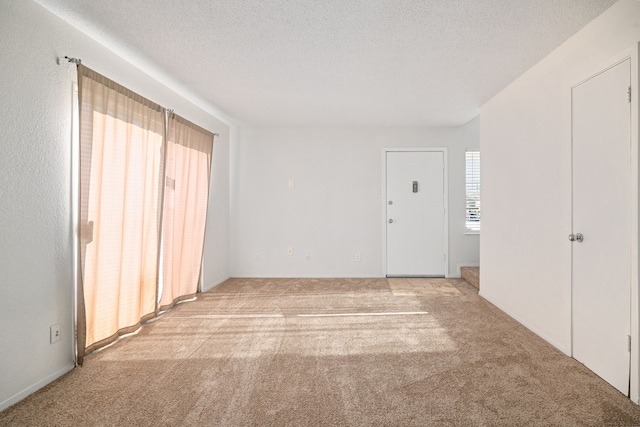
x=556, y=344
x=35, y=387
x=75, y=215
x=635, y=213
x=631, y=54
x=308, y=276
x=444, y=152
x=215, y=283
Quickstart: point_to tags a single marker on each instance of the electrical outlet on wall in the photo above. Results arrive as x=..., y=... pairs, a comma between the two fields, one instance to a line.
x=290, y=251
x=358, y=257
x=54, y=333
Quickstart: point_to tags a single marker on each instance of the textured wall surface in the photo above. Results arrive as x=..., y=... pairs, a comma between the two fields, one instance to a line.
x=36, y=277
x=334, y=210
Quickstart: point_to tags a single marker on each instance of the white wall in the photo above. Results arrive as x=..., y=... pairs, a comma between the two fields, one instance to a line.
x=525, y=137
x=335, y=209
x=36, y=283
x=216, y=257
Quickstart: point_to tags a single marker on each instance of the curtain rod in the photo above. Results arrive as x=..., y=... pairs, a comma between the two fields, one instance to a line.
x=78, y=61
x=171, y=111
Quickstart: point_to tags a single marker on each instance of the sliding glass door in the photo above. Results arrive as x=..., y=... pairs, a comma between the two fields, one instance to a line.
x=188, y=164
x=121, y=175
x=144, y=184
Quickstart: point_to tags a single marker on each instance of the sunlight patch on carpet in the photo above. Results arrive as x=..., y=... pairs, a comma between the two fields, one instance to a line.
x=362, y=314
x=229, y=316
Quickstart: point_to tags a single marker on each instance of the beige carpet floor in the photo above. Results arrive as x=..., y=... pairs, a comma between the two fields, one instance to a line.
x=329, y=352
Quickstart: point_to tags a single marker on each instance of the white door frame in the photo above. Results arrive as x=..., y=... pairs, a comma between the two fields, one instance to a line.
x=632, y=53
x=442, y=150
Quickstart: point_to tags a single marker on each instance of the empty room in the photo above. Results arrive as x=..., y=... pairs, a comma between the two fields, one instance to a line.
x=319, y=212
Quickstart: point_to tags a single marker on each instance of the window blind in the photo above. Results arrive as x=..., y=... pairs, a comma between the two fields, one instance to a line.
x=472, y=190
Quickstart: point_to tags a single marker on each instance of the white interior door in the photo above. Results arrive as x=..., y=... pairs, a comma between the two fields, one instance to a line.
x=415, y=214
x=601, y=262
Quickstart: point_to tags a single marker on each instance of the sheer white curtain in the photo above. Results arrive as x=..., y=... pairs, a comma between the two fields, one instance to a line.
x=188, y=165
x=121, y=177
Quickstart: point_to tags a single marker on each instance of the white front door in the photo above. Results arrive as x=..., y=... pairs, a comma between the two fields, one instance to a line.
x=601, y=262
x=415, y=213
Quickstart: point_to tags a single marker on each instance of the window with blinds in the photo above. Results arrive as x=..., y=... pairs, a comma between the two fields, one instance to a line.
x=472, y=190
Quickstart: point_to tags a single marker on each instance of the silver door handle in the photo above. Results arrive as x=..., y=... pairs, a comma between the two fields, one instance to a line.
x=576, y=237
x=390, y=221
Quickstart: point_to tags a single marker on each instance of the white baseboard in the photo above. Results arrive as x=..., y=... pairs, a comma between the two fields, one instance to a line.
x=307, y=276
x=34, y=387
x=215, y=283
x=566, y=350
x=325, y=276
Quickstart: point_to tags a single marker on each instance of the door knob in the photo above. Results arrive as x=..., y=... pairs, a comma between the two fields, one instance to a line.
x=576, y=237
x=390, y=221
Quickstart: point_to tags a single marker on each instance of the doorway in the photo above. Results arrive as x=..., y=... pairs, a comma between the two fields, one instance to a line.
x=415, y=213
x=601, y=224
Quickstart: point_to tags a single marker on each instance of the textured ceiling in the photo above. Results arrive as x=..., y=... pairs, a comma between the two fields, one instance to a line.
x=335, y=62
